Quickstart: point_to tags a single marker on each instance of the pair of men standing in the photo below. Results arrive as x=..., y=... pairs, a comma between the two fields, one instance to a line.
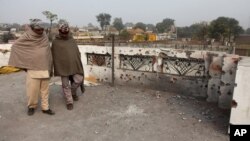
x=32, y=53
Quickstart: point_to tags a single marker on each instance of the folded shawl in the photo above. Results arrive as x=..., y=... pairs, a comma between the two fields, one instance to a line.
x=66, y=57
x=31, y=51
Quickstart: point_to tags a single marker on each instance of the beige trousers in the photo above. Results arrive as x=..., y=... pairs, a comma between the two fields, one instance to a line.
x=36, y=87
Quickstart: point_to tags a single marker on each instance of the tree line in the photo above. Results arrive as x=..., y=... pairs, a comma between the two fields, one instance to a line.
x=220, y=29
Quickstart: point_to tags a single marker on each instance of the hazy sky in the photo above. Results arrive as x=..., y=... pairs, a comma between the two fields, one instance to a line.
x=82, y=12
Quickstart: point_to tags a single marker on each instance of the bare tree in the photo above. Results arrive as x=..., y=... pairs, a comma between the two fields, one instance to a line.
x=51, y=17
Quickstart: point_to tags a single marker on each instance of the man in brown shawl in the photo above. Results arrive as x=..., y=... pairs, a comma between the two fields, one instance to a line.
x=32, y=53
x=67, y=64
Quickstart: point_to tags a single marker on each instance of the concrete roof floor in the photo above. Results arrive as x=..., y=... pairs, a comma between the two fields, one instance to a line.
x=105, y=113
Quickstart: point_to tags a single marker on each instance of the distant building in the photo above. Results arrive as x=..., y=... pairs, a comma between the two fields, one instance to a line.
x=243, y=39
x=129, y=26
x=89, y=31
x=110, y=30
x=13, y=30
x=242, y=45
x=3, y=32
x=162, y=36
x=88, y=38
x=4, y=25
x=88, y=34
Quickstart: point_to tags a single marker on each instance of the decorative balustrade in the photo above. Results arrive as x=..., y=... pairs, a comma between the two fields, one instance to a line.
x=99, y=59
x=136, y=62
x=184, y=66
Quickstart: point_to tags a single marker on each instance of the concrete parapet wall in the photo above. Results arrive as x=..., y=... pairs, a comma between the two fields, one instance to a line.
x=4, y=54
x=219, y=69
x=240, y=114
x=199, y=73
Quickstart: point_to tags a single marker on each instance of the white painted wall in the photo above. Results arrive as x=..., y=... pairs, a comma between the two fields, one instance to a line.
x=240, y=112
x=4, y=57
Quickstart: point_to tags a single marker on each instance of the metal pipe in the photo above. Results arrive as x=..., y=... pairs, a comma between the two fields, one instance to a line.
x=113, y=60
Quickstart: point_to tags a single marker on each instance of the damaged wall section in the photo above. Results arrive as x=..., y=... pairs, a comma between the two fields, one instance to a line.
x=198, y=73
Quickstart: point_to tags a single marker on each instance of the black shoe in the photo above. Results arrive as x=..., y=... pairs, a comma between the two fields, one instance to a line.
x=31, y=111
x=75, y=97
x=49, y=112
x=70, y=106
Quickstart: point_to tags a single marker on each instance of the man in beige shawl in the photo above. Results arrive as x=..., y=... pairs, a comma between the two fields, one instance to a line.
x=31, y=52
x=67, y=64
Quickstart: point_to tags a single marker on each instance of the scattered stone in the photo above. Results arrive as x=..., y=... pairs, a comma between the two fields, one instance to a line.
x=96, y=132
x=192, y=98
x=107, y=123
x=180, y=103
x=183, y=118
x=199, y=120
x=184, y=97
x=157, y=94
